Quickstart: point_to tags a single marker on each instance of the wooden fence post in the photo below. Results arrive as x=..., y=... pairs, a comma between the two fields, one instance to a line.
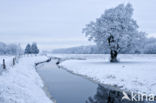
x=4, y=66
x=14, y=59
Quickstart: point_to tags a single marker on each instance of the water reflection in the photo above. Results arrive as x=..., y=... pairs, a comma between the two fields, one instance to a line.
x=105, y=95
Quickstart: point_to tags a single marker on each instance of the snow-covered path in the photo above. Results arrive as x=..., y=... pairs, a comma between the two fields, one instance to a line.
x=22, y=84
x=135, y=73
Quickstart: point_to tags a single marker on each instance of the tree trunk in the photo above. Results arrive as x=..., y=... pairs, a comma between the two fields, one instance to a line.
x=114, y=48
x=114, y=54
x=4, y=66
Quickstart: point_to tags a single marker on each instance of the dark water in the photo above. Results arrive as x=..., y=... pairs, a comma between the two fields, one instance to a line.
x=68, y=88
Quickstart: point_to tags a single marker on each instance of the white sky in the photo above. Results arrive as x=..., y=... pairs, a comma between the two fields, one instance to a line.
x=58, y=23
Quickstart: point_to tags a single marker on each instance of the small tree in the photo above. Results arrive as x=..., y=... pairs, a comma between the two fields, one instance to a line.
x=115, y=30
x=27, y=49
x=34, y=49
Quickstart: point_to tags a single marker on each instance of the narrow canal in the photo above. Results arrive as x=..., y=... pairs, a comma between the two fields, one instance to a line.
x=66, y=87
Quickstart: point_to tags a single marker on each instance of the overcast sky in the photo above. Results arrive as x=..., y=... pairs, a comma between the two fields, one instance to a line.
x=58, y=23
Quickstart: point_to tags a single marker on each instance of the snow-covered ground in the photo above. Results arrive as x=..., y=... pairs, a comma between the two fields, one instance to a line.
x=134, y=72
x=22, y=84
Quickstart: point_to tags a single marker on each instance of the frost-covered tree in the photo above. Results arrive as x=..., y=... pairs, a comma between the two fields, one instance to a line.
x=27, y=49
x=115, y=30
x=150, y=46
x=11, y=49
x=3, y=48
x=34, y=49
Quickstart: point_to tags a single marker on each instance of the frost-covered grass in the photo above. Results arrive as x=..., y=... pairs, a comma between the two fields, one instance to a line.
x=22, y=84
x=133, y=72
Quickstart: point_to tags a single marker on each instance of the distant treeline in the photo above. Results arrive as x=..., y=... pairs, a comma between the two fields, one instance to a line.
x=10, y=49
x=92, y=49
x=147, y=47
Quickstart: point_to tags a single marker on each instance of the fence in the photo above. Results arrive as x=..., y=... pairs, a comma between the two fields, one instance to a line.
x=11, y=63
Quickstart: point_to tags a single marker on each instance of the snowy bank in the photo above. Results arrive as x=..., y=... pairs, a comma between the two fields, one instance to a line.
x=22, y=84
x=134, y=72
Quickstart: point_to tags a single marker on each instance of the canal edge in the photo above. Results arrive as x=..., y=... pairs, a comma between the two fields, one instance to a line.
x=44, y=88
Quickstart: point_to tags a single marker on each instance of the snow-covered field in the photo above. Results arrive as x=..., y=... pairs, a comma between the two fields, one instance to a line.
x=134, y=72
x=22, y=84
